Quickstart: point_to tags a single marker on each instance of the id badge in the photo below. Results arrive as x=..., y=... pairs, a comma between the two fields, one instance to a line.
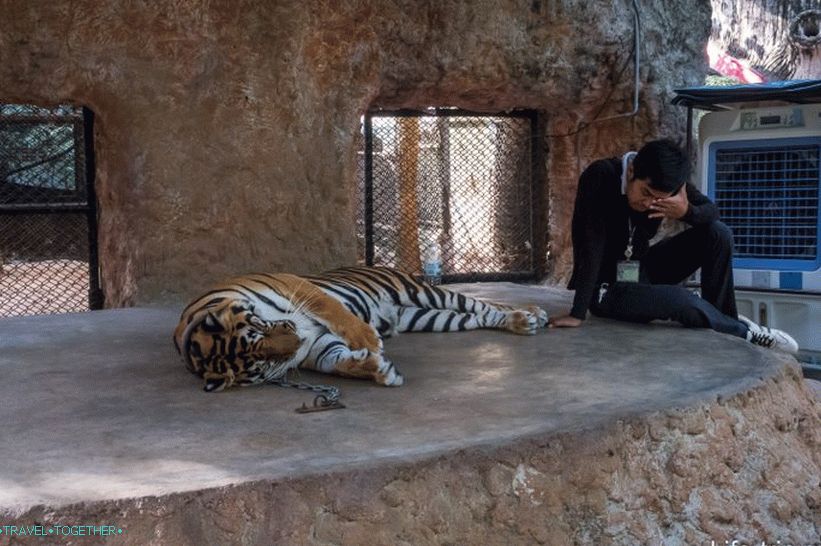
x=627, y=271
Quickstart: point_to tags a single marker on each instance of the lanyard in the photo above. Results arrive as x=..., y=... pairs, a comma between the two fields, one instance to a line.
x=628, y=252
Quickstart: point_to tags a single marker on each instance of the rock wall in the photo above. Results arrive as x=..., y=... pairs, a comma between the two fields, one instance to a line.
x=225, y=130
x=743, y=468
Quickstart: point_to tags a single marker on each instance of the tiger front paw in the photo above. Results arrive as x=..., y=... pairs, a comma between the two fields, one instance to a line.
x=361, y=336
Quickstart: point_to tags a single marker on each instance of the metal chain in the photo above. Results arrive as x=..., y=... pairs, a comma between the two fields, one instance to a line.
x=327, y=397
x=330, y=393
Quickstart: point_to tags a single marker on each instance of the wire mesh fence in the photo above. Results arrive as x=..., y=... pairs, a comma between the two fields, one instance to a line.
x=47, y=216
x=462, y=181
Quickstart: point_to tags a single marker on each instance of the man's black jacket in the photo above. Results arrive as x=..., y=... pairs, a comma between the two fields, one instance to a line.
x=600, y=229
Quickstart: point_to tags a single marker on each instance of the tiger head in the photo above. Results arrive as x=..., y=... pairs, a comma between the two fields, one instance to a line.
x=226, y=343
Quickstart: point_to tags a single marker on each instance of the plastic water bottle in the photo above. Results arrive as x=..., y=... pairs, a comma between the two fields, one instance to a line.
x=432, y=264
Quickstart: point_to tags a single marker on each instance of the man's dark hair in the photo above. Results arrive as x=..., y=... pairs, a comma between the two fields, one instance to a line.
x=664, y=163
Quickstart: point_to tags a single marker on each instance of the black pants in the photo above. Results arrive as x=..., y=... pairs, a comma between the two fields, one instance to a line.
x=668, y=263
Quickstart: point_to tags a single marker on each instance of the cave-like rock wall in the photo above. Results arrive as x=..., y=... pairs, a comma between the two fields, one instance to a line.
x=226, y=130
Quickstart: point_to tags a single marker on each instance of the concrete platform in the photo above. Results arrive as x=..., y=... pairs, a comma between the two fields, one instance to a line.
x=97, y=407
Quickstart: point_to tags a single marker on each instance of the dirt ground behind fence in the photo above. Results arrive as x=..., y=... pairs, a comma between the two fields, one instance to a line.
x=44, y=287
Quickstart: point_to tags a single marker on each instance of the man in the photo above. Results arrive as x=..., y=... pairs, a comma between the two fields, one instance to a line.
x=620, y=204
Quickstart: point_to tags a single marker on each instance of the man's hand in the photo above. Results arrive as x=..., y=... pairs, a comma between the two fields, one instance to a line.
x=565, y=321
x=674, y=207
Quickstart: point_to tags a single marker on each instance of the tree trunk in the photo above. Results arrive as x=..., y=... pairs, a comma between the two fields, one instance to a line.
x=446, y=239
x=408, y=251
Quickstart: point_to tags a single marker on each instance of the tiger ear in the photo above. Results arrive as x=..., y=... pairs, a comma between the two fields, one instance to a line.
x=214, y=385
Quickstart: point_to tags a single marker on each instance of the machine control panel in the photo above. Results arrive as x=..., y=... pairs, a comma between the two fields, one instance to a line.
x=770, y=119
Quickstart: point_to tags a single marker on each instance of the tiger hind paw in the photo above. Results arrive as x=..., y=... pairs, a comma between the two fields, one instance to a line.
x=539, y=313
x=526, y=321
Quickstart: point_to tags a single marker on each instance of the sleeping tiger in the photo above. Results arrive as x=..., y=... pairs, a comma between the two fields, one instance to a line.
x=254, y=328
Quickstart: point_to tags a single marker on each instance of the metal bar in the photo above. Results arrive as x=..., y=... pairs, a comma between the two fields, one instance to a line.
x=539, y=205
x=67, y=119
x=369, y=250
x=38, y=163
x=488, y=277
x=95, y=292
x=809, y=292
x=449, y=112
x=39, y=208
x=636, y=69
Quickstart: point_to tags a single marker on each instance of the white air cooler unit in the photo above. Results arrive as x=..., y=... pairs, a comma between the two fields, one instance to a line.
x=762, y=168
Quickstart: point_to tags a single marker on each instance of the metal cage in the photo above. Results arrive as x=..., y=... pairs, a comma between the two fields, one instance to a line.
x=48, y=217
x=467, y=181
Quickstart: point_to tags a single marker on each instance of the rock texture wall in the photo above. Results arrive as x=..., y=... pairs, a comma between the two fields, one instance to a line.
x=744, y=468
x=225, y=131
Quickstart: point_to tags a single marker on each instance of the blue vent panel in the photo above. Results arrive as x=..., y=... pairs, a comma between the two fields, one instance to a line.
x=767, y=192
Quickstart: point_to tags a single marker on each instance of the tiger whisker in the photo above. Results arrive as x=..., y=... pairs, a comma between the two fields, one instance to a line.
x=300, y=304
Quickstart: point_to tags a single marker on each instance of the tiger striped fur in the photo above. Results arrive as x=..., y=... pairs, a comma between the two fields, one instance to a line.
x=256, y=327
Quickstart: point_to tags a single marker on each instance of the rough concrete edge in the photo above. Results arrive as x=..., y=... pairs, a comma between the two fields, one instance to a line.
x=123, y=510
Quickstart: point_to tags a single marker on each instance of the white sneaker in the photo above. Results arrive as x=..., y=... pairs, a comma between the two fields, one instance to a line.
x=771, y=338
x=750, y=324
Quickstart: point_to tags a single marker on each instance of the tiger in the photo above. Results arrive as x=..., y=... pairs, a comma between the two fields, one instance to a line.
x=254, y=328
